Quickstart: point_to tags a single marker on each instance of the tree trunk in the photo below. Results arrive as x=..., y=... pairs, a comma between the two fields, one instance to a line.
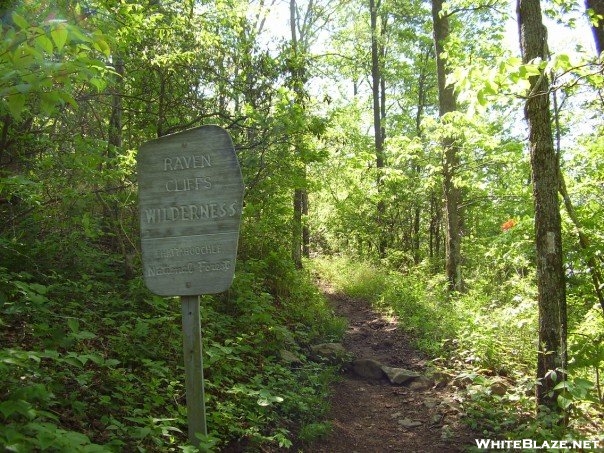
x=111, y=207
x=115, y=120
x=551, y=360
x=422, y=88
x=378, y=112
x=161, y=104
x=299, y=192
x=435, y=224
x=305, y=229
x=415, y=243
x=597, y=7
x=447, y=103
x=297, y=228
x=584, y=243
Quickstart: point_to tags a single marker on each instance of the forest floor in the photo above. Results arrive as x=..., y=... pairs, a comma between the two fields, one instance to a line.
x=374, y=416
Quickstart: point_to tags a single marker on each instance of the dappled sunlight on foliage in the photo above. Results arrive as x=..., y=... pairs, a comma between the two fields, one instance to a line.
x=482, y=337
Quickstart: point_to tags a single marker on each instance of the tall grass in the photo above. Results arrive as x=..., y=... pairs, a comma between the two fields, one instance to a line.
x=489, y=330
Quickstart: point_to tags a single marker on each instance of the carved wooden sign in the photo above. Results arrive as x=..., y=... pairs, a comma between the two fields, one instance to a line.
x=190, y=203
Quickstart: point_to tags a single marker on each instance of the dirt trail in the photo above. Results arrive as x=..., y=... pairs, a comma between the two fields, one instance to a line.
x=373, y=416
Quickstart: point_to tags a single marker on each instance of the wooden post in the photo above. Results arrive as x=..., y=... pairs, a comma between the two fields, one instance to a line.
x=196, y=406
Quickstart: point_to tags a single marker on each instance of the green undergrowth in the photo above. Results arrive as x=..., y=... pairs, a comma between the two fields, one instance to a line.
x=94, y=363
x=485, y=340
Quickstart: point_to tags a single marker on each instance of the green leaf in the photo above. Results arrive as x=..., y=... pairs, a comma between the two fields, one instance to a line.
x=59, y=36
x=73, y=361
x=491, y=87
x=38, y=288
x=74, y=325
x=46, y=439
x=48, y=101
x=141, y=432
x=99, y=84
x=563, y=402
x=23, y=88
x=266, y=398
x=102, y=46
x=11, y=407
x=34, y=356
x=532, y=70
x=20, y=21
x=67, y=97
x=44, y=43
x=95, y=358
x=112, y=362
x=482, y=100
x=16, y=103
x=84, y=335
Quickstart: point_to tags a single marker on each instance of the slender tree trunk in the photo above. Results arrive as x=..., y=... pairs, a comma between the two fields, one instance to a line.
x=584, y=242
x=431, y=232
x=111, y=206
x=415, y=234
x=378, y=112
x=422, y=88
x=6, y=122
x=447, y=103
x=305, y=229
x=300, y=195
x=551, y=360
x=297, y=228
x=597, y=7
x=435, y=224
x=115, y=120
x=161, y=107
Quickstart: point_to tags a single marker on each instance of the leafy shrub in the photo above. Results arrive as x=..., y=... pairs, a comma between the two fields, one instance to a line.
x=95, y=364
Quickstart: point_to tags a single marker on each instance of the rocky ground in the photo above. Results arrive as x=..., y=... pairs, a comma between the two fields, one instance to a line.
x=388, y=400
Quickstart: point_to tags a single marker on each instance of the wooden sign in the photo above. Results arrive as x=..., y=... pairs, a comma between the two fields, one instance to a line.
x=190, y=201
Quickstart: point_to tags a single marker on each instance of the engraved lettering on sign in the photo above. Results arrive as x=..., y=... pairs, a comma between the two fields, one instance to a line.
x=154, y=271
x=206, y=249
x=189, y=268
x=187, y=162
x=204, y=266
x=190, y=212
x=186, y=184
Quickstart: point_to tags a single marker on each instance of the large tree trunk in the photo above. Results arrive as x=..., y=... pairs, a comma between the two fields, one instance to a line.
x=548, y=239
x=378, y=112
x=447, y=103
x=597, y=7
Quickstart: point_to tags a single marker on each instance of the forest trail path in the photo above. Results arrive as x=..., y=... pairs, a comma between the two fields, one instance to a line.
x=373, y=416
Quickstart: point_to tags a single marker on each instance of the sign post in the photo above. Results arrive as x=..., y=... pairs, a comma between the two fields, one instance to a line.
x=191, y=328
x=190, y=203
